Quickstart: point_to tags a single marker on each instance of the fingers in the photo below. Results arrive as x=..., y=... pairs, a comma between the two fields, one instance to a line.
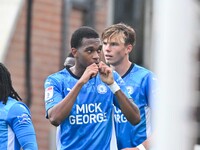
x=106, y=73
x=104, y=69
x=92, y=70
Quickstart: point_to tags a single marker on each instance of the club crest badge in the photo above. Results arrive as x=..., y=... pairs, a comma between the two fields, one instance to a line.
x=101, y=89
x=130, y=89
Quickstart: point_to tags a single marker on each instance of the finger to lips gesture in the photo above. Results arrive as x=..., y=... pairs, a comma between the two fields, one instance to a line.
x=106, y=73
x=90, y=71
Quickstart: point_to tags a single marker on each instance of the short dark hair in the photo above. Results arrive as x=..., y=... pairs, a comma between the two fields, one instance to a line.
x=6, y=88
x=80, y=33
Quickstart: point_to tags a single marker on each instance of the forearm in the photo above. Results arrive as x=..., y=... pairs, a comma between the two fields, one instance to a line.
x=146, y=144
x=26, y=136
x=30, y=146
x=62, y=110
x=143, y=146
x=28, y=142
x=128, y=108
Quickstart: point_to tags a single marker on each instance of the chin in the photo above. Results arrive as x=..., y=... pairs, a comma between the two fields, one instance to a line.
x=108, y=62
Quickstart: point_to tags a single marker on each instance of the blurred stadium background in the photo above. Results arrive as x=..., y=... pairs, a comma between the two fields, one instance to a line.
x=34, y=41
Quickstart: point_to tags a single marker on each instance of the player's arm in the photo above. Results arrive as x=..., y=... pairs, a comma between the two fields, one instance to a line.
x=60, y=111
x=19, y=119
x=143, y=146
x=128, y=108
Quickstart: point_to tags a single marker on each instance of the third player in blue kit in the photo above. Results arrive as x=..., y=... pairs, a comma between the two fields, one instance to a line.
x=16, y=127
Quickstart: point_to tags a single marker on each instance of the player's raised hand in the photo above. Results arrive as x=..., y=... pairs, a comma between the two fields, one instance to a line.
x=106, y=73
x=89, y=72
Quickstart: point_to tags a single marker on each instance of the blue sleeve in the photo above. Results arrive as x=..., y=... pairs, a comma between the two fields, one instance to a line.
x=53, y=93
x=122, y=86
x=151, y=88
x=19, y=119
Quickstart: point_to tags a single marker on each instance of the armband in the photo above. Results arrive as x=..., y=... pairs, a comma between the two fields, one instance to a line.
x=114, y=87
x=141, y=147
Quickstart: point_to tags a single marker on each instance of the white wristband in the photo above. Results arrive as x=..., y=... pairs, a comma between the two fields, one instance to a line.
x=141, y=147
x=114, y=87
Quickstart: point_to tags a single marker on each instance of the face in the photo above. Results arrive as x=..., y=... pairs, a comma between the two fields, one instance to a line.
x=115, y=50
x=89, y=52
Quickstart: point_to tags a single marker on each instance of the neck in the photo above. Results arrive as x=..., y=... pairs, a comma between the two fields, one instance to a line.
x=77, y=71
x=122, y=68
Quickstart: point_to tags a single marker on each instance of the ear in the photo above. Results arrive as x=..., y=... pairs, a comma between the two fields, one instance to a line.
x=129, y=48
x=74, y=52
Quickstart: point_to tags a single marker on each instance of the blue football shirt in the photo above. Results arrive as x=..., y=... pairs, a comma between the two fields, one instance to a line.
x=140, y=84
x=16, y=128
x=90, y=123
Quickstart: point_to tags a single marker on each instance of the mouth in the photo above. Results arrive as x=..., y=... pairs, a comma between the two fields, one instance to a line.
x=108, y=56
x=96, y=62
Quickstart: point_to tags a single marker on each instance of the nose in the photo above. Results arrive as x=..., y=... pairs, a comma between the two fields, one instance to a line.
x=106, y=48
x=96, y=55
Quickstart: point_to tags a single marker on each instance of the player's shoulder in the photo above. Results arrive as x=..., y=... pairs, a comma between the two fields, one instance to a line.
x=20, y=113
x=16, y=108
x=58, y=76
x=10, y=102
x=5, y=108
x=142, y=70
x=118, y=78
x=15, y=105
x=116, y=74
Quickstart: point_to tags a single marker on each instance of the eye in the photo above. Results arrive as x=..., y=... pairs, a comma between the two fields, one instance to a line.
x=114, y=44
x=99, y=51
x=89, y=51
x=104, y=43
